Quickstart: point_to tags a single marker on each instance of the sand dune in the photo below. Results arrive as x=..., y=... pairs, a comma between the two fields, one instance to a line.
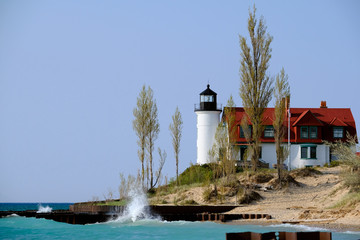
x=310, y=203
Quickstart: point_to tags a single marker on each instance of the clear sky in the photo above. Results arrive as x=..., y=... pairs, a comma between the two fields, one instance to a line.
x=70, y=73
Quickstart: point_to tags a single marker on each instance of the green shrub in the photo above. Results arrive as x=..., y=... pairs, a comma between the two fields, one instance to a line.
x=209, y=194
x=246, y=196
x=196, y=174
x=305, y=172
x=350, y=200
x=262, y=177
x=334, y=163
x=230, y=181
x=352, y=180
x=344, y=151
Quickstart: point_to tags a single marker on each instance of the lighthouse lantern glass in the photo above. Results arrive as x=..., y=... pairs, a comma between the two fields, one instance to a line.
x=207, y=98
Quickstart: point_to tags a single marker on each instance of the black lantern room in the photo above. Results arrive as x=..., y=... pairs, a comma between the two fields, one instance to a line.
x=208, y=100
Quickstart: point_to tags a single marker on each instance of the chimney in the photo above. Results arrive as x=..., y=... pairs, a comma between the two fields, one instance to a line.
x=323, y=104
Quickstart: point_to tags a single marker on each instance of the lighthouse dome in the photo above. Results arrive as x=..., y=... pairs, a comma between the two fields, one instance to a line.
x=208, y=101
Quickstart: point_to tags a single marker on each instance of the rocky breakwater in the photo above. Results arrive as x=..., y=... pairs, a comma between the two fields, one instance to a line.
x=77, y=214
x=85, y=213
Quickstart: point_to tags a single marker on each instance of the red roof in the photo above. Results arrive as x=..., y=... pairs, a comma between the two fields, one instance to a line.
x=337, y=122
x=324, y=119
x=307, y=118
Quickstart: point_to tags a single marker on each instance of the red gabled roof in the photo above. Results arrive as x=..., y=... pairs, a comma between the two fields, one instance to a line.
x=306, y=119
x=324, y=118
x=268, y=120
x=337, y=122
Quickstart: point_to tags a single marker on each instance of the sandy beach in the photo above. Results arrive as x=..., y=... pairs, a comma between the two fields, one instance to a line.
x=311, y=203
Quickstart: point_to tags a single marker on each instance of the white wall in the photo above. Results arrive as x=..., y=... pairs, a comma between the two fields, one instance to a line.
x=268, y=153
x=207, y=122
x=322, y=156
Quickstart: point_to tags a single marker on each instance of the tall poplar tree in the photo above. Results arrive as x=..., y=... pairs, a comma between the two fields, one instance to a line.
x=225, y=138
x=281, y=92
x=152, y=129
x=141, y=115
x=176, y=132
x=231, y=150
x=146, y=126
x=255, y=83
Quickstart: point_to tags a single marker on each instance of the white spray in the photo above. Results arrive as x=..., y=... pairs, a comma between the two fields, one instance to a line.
x=138, y=207
x=42, y=209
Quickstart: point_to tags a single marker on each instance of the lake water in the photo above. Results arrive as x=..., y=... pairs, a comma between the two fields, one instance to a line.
x=33, y=206
x=15, y=227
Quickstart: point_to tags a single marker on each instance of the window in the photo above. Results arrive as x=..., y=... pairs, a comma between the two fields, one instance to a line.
x=338, y=132
x=304, y=132
x=308, y=152
x=242, y=135
x=206, y=98
x=313, y=152
x=313, y=132
x=269, y=132
x=308, y=132
x=243, y=153
x=304, y=151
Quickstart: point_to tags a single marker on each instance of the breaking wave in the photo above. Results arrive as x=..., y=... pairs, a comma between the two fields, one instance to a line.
x=42, y=209
x=137, y=209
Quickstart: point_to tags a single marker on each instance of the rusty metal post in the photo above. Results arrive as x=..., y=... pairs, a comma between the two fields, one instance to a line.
x=325, y=236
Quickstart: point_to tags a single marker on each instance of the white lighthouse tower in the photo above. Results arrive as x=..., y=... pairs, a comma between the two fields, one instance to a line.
x=208, y=117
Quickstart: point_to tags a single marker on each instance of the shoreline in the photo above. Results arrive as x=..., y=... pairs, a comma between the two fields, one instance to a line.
x=322, y=224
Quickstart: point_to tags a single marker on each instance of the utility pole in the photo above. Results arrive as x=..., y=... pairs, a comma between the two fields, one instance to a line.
x=289, y=146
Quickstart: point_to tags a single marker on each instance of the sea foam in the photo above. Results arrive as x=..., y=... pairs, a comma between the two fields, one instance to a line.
x=299, y=227
x=12, y=215
x=138, y=207
x=42, y=209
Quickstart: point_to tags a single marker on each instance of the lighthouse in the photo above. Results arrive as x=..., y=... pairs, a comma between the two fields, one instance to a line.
x=208, y=117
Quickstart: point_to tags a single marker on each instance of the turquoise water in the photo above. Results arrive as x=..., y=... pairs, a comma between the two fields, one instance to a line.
x=15, y=227
x=33, y=228
x=32, y=206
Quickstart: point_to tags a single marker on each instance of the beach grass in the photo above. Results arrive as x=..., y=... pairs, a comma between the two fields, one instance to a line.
x=350, y=200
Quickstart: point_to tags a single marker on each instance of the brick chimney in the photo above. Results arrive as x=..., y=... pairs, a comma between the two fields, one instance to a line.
x=323, y=104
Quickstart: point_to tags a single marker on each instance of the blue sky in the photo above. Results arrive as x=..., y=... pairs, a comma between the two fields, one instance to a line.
x=70, y=73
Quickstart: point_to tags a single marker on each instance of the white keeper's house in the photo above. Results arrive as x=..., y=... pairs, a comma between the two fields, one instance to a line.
x=308, y=129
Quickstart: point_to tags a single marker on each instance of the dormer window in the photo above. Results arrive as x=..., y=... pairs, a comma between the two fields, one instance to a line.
x=308, y=132
x=242, y=134
x=304, y=132
x=269, y=132
x=313, y=132
x=338, y=132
